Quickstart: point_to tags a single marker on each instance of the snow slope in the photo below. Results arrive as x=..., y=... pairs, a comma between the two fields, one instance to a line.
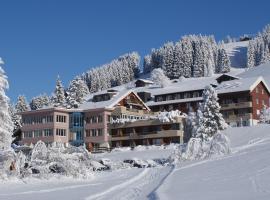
x=244, y=174
x=237, y=52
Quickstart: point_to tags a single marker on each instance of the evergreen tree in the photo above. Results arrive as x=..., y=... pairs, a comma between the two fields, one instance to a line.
x=16, y=119
x=198, y=60
x=224, y=63
x=22, y=104
x=147, y=64
x=191, y=124
x=168, y=60
x=210, y=118
x=159, y=78
x=76, y=93
x=58, y=98
x=6, y=125
x=251, y=55
x=40, y=102
x=187, y=56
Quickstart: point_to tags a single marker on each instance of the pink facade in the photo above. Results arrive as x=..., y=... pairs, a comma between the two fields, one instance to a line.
x=96, y=130
x=51, y=125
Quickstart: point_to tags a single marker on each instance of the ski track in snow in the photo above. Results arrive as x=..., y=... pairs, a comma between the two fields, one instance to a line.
x=119, y=186
x=51, y=190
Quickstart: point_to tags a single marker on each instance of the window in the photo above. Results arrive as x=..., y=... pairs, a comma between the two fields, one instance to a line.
x=88, y=133
x=263, y=102
x=28, y=134
x=99, y=132
x=48, y=132
x=37, y=133
x=262, y=91
x=196, y=94
x=178, y=96
x=169, y=97
x=186, y=95
x=257, y=90
x=257, y=101
x=61, y=118
x=159, y=98
x=61, y=132
x=93, y=132
x=100, y=119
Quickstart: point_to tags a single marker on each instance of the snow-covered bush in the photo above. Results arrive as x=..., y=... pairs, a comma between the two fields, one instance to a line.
x=169, y=116
x=46, y=162
x=197, y=148
x=265, y=115
x=159, y=78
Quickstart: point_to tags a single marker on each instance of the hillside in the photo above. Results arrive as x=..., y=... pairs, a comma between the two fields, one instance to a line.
x=237, y=52
x=244, y=174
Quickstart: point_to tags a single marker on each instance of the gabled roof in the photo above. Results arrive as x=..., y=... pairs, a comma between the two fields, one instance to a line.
x=244, y=84
x=145, y=81
x=232, y=77
x=89, y=104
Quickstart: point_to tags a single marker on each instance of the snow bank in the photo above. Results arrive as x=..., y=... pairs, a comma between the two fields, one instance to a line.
x=46, y=162
x=197, y=148
x=7, y=159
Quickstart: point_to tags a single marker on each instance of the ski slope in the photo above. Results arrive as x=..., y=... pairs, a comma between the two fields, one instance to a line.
x=244, y=174
x=237, y=52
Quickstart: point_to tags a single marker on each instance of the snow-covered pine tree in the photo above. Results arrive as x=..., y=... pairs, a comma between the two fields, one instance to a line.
x=198, y=60
x=178, y=65
x=58, y=98
x=147, y=64
x=40, y=102
x=159, y=78
x=6, y=125
x=16, y=119
x=76, y=92
x=22, y=104
x=224, y=64
x=168, y=60
x=191, y=124
x=187, y=56
x=251, y=54
x=119, y=71
x=265, y=115
x=210, y=118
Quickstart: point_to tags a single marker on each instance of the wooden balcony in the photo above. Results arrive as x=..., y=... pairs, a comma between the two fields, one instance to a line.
x=236, y=105
x=158, y=134
x=238, y=117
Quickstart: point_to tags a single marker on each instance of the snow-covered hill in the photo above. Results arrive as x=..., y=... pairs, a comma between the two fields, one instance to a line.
x=237, y=52
x=244, y=174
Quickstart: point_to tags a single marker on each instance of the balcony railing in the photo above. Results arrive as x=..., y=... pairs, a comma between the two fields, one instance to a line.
x=236, y=105
x=233, y=117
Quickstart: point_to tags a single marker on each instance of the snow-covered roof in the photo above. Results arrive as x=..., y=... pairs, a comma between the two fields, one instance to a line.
x=244, y=84
x=89, y=104
x=153, y=103
x=188, y=84
x=145, y=80
x=228, y=75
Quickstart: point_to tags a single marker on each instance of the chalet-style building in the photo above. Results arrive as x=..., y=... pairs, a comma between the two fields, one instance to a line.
x=124, y=117
x=242, y=100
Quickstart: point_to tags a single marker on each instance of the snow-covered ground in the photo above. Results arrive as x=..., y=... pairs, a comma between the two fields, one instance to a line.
x=237, y=51
x=244, y=174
